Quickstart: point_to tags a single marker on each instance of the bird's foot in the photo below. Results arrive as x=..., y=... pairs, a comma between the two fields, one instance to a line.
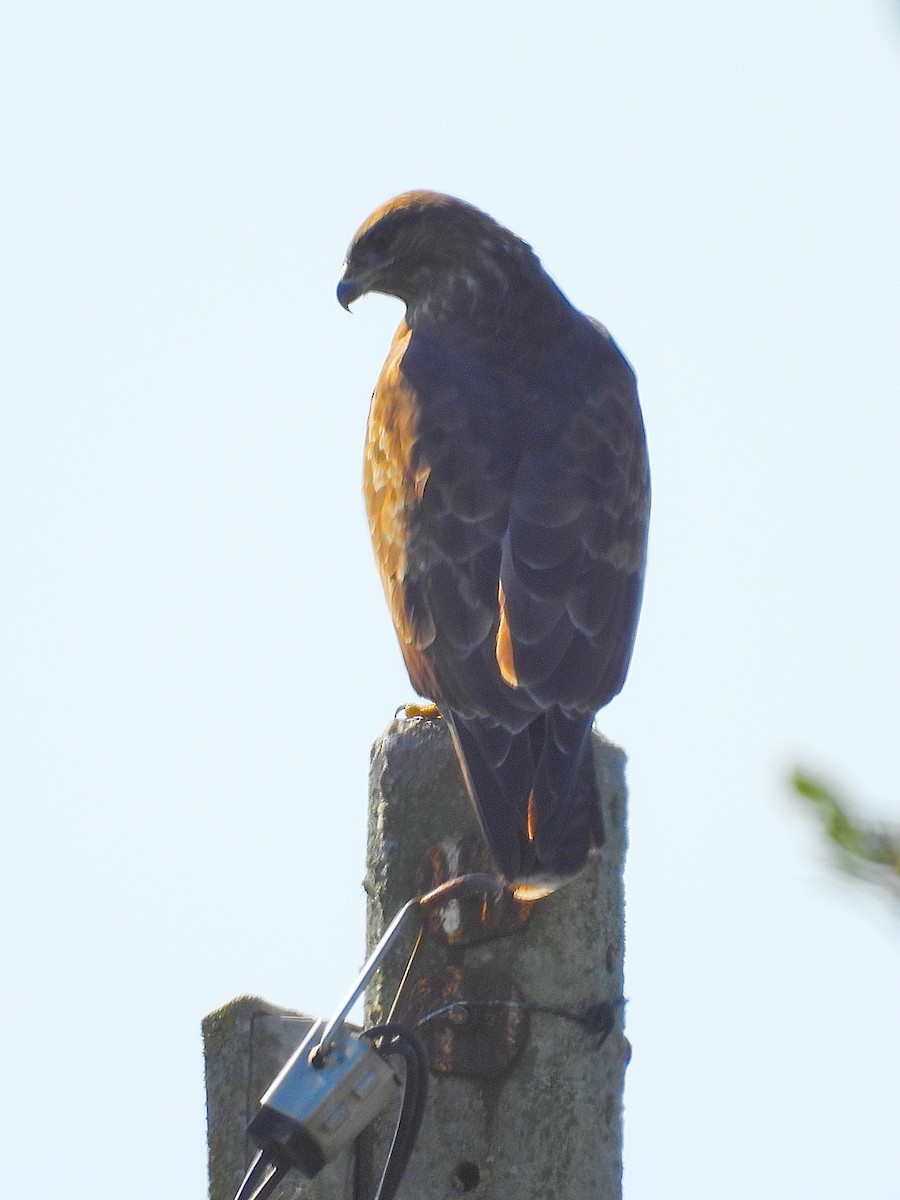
x=427, y=712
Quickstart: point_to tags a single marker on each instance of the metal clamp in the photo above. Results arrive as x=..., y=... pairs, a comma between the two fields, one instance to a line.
x=420, y=905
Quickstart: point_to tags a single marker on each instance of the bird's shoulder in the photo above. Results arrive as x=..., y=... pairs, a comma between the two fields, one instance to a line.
x=556, y=363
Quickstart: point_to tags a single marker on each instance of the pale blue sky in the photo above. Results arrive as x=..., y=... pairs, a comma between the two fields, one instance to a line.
x=195, y=651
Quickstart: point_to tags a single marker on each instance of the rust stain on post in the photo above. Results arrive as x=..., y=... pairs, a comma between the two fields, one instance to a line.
x=470, y=919
x=472, y=1022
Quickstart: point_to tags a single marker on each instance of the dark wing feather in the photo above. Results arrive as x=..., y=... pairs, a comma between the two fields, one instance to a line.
x=457, y=525
x=573, y=558
x=518, y=573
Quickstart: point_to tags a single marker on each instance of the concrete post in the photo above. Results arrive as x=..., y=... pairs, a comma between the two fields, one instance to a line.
x=551, y=1126
x=245, y=1045
x=548, y=1127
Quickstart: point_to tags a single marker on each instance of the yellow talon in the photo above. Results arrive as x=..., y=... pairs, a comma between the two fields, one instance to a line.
x=428, y=712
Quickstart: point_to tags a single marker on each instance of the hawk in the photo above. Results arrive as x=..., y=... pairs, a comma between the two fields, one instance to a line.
x=507, y=489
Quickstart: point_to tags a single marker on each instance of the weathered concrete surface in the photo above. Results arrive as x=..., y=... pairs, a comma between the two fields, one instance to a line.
x=552, y=1127
x=245, y=1045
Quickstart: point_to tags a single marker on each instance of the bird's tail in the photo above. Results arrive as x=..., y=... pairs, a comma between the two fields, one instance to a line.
x=535, y=795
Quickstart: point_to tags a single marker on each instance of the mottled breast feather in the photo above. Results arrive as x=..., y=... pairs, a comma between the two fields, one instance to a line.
x=394, y=478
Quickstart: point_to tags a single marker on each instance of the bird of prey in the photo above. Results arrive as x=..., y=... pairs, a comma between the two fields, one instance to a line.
x=508, y=496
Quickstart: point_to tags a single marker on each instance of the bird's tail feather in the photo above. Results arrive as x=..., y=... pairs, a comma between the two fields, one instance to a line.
x=567, y=821
x=534, y=792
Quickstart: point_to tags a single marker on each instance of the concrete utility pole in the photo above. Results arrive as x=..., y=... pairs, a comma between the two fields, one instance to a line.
x=245, y=1045
x=520, y=1006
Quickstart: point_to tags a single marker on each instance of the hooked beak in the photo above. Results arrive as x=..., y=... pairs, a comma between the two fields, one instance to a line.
x=348, y=290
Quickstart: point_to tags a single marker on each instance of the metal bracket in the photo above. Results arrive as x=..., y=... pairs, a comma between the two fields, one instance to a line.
x=419, y=905
x=463, y=921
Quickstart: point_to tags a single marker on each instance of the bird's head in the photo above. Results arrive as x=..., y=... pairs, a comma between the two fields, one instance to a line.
x=423, y=247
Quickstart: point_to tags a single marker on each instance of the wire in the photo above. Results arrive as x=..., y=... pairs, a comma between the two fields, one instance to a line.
x=268, y=1167
x=597, y=1018
x=417, y=905
x=254, y=1187
x=406, y=974
x=400, y=1039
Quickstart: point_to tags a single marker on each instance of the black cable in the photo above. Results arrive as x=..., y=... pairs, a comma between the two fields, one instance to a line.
x=400, y=1039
